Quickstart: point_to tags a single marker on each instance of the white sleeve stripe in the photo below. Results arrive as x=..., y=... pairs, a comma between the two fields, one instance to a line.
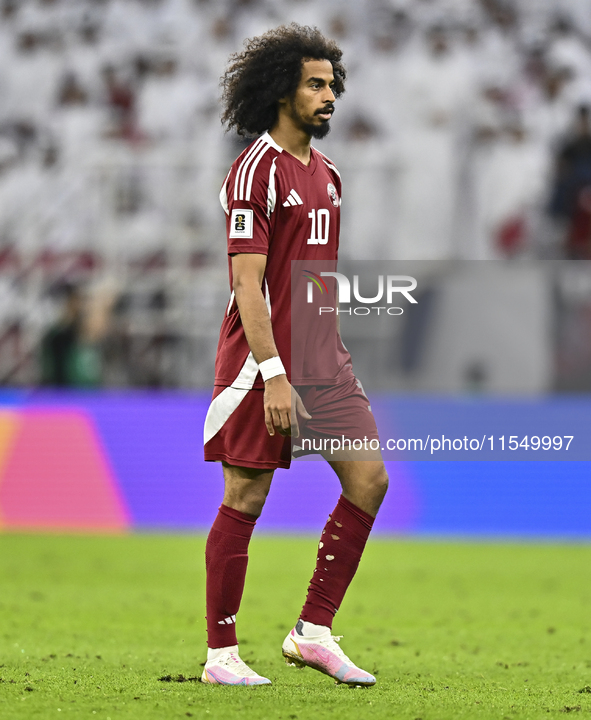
x=268, y=139
x=331, y=166
x=224, y=194
x=253, y=148
x=271, y=192
x=323, y=156
x=243, y=173
x=297, y=197
x=239, y=188
x=232, y=296
x=251, y=173
x=268, y=297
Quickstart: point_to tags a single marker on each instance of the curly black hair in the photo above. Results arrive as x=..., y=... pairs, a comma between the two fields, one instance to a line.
x=270, y=68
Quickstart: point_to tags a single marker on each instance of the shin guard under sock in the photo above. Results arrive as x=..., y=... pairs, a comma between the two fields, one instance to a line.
x=339, y=551
x=226, y=558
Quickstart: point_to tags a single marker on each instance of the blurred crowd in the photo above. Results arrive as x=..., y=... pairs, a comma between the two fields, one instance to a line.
x=464, y=133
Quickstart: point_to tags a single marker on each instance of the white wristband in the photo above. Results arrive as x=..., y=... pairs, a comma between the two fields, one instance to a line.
x=272, y=367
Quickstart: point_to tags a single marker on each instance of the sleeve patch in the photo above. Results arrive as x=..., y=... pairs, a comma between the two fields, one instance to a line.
x=241, y=224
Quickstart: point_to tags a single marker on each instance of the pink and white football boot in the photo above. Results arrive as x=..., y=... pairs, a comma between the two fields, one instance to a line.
x=226, y=668
x=322, y=652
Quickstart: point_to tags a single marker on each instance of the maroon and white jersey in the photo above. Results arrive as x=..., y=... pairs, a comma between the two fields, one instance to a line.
x=278, y=207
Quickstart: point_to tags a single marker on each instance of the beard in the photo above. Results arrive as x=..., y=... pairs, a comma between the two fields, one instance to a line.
x=317, y=131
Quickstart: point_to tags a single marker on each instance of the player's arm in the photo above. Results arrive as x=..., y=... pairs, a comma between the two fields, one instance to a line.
x=248, y=270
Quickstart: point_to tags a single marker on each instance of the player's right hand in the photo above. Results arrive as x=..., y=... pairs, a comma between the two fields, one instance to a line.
x=282, y=405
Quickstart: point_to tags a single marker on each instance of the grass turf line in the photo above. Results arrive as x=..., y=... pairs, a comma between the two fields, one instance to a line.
x=453, y=630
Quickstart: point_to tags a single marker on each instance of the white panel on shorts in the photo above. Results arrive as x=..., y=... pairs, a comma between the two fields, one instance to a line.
x=224, y=404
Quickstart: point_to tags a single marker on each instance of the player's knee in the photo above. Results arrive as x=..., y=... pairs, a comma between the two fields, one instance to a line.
x=257, y=501
x=249, y=499
x=377, y=483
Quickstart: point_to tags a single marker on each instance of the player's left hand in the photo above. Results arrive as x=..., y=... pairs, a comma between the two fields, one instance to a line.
x=282, y=405
x=297, y=408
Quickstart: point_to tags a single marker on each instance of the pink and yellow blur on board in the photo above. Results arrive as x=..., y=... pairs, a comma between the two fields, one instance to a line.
x=54, y=474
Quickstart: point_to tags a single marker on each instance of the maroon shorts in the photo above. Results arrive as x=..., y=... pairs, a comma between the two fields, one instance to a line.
x=235, y=429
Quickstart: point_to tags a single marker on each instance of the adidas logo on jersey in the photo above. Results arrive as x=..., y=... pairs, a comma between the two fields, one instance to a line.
x=293, y=199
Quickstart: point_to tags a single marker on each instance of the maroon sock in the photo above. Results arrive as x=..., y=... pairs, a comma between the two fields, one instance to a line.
x=226, y=558
x=339, y=551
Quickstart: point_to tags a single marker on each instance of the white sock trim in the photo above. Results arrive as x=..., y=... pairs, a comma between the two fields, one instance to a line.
x=311, y=630
x=215, y=653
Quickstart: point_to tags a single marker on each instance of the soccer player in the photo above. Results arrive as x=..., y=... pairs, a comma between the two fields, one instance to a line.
x=282, y=87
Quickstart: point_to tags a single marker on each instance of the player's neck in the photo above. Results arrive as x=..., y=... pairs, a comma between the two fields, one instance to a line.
x=292, y=139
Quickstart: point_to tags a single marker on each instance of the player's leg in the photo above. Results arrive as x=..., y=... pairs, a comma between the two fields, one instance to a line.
x=364, y=483
x=246, y=489
x=226, y=559
x=342, y=542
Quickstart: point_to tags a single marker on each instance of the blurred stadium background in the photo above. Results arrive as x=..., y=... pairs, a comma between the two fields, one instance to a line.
x=464, y=137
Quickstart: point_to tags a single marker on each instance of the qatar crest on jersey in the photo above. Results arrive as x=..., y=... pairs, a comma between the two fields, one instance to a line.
x=332, y=194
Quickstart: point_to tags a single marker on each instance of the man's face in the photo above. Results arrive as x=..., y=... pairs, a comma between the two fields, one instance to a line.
x=313, y=102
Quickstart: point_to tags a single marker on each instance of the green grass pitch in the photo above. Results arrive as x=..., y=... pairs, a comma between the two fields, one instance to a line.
x=90, y=625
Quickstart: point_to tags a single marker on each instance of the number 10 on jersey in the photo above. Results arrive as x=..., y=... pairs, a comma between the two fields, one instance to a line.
x=320, y=224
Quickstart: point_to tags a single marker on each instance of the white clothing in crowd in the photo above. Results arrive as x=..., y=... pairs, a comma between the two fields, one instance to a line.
x=426, y=139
